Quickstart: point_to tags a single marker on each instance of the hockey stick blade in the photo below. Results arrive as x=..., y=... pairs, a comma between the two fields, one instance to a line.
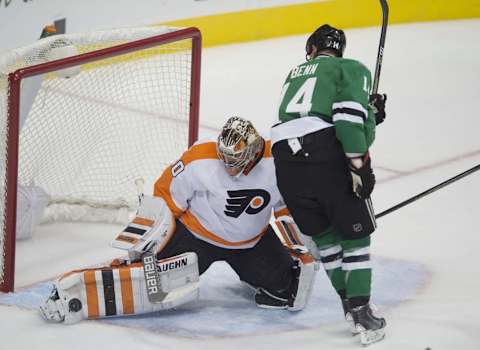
x=152, y=279
x=429, y=191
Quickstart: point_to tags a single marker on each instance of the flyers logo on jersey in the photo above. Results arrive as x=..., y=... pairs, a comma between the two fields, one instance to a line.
x=248, y=201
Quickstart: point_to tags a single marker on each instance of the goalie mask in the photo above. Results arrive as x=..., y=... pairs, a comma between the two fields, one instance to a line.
x=238, y=145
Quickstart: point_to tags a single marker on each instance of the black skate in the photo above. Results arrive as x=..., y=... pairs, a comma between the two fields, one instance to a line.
x=348, y=316
x=266, y=300
x=370, y=327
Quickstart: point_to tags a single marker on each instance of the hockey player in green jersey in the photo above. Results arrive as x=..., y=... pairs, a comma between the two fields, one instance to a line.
x=326, y=124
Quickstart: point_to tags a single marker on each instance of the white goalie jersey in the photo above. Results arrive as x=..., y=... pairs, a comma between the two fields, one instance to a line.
x=229, y=212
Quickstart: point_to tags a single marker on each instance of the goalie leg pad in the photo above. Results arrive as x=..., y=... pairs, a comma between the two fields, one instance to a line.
x=122, y=290
x=305, y=270
x=303, y=250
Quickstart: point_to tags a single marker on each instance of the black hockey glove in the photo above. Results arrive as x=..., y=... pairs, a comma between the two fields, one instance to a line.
x=377, y=103
x=363, y=178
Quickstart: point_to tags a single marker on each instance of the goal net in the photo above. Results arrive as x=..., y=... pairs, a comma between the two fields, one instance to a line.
x=90, y=120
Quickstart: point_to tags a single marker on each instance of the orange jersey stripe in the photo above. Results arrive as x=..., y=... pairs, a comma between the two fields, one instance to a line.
x=162, y=189
x=92, y=296
x=127, y=290
x=207, y=150
x=192, y=223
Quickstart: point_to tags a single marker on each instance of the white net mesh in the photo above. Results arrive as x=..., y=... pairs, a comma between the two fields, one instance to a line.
x=85, y=139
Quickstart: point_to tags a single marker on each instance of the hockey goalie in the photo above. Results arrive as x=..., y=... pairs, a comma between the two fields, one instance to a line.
x=213, y=204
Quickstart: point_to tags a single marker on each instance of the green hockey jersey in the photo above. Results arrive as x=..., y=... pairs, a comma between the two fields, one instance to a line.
x=328, y=92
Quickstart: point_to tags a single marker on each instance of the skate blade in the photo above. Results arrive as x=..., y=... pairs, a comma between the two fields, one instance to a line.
x=272, y=307
x=369, y=337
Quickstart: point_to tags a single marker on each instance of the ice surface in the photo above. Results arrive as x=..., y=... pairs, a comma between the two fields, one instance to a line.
x=226, y=307
x=426, y=272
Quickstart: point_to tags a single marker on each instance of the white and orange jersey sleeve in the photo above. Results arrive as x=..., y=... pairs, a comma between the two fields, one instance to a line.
x=178, y=190
x=229, y=212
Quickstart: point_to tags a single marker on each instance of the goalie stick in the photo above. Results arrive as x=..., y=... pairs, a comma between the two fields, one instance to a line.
x=429, y=191
x=381, y=46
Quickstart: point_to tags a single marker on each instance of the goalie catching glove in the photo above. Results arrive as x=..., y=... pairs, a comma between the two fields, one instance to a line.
x=149, y=231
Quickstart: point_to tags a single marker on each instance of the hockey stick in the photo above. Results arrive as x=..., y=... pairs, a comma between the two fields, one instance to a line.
x=381, y=45
x=427, y=192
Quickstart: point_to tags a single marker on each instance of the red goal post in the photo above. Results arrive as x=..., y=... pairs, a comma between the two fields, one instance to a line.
x=120, y=109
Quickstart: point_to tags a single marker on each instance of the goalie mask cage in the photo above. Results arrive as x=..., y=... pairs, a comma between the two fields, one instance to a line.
x=84, y=116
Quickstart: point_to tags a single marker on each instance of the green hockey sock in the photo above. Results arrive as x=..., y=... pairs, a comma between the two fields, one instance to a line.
x=328, y=243
x=356, y=266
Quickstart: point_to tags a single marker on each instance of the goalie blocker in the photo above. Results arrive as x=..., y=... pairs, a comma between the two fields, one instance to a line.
x=121, y=289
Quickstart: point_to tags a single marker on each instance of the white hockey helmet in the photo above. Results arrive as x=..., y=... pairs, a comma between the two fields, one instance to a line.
x=238, y=145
